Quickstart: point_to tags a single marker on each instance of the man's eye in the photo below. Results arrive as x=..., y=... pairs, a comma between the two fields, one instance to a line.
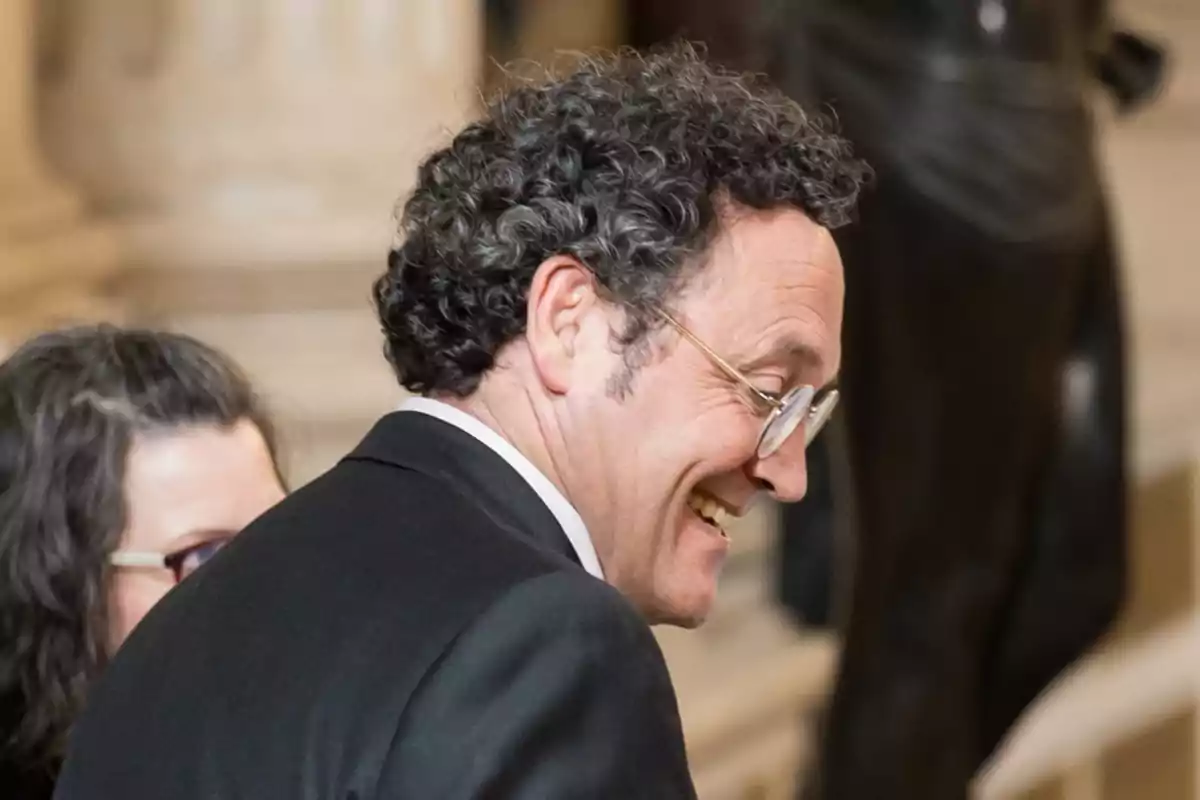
x=771, y=389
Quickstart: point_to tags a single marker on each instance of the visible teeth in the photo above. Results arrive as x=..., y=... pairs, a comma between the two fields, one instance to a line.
x=709, y=509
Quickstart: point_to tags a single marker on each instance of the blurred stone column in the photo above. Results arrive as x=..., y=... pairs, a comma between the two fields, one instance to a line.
x=55, y=261
x=251, y=152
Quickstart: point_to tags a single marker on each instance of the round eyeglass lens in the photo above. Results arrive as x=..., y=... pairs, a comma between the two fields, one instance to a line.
x=819, y=415
x=792, y=410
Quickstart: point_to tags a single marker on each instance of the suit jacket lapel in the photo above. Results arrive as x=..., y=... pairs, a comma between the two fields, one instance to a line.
x=425, y=444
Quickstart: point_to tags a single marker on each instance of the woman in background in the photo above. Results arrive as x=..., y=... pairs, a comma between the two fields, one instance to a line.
x=127, y=459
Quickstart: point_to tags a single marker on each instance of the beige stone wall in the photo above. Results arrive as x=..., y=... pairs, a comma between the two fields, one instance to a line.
x=250, y=153
x=57, y=264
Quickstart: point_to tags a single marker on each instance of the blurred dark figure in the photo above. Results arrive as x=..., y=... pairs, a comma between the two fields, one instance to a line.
x=727, y=30
x=984, y=366
x=984, y=370
x=501, y=22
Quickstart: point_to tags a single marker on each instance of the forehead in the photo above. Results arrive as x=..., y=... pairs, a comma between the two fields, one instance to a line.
x=771, y=279
x=193, y=479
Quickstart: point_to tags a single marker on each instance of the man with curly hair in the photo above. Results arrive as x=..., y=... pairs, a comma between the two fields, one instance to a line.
x=618, y=301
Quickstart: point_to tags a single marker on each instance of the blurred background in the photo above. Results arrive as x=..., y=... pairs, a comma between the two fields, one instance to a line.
x=229, y=167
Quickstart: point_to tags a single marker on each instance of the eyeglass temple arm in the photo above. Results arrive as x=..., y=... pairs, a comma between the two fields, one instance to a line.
x=137, y=558
x=724, y=365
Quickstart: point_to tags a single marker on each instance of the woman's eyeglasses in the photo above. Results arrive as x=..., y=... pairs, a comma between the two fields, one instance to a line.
x=181, y=563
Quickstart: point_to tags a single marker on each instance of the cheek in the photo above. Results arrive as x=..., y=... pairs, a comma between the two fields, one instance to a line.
x=689, y=559
x=725, y=437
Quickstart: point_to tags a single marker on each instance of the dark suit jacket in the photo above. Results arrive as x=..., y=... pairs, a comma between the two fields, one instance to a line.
x=413, y=624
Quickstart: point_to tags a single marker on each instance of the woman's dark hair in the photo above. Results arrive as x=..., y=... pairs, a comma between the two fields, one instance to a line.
x=623, y=164
x=71, y=402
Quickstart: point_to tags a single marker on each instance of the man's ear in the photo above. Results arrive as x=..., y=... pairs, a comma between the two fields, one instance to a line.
x=563, y=291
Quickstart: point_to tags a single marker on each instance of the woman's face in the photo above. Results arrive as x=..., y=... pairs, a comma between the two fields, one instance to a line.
x=186, y=487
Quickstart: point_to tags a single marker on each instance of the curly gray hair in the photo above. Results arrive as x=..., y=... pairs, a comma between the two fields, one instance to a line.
x=623, y=165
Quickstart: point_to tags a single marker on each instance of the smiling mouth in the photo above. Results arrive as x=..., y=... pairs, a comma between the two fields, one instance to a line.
x=709, y=510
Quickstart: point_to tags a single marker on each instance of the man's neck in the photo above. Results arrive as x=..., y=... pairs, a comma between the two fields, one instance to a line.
x=513, y=414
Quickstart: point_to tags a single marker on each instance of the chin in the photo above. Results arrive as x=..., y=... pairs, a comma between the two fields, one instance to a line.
x=687, y=623
x=686, y=609
x=684, y=588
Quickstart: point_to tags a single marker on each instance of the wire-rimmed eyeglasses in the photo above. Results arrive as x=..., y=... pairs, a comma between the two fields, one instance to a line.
x=799, y=406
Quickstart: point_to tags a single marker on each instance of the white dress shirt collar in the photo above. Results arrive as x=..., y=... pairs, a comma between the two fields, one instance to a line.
x=568, y=518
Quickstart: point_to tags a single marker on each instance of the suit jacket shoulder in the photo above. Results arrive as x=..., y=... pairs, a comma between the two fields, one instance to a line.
x=557, y=690
x=418, y=586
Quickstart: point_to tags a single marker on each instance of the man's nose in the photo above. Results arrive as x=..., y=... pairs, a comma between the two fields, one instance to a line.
x=784, y=473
